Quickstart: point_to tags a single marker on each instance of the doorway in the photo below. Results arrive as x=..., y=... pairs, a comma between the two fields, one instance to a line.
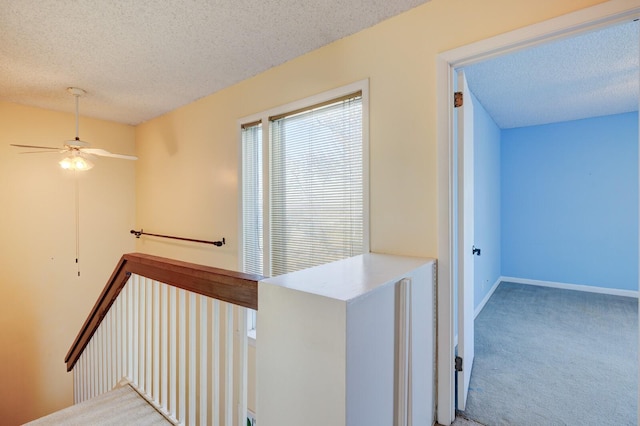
x=572, y=24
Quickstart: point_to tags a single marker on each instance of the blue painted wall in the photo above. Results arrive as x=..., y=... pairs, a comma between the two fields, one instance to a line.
x=569, y=202
x=487, y=201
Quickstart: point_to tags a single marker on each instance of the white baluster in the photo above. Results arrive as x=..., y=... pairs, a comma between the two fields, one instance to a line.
x=87, y=374
x=126, y=332
x=92, y=370
x=191, y=412
x=141, y=333
x=243, y=355
x=173, y=350
x=113, y=317
x=98, y=354
x=228, y=392
x=75, y=383
x=77, y=370
x=84, y=378
x=216, y=359
x=147, y=325
x=164, y=346
x=106, y=356
x=135, y=324
x=155, y=324
x=203, y=351
x=119, y=324
x=182, y=355
x=129, y=331
x=104, y=359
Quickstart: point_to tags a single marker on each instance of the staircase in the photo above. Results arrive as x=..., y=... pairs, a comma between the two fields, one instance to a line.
x=176, y=332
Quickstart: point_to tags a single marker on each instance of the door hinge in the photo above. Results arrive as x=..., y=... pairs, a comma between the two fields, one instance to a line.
x=458, y=99
x=458, y=363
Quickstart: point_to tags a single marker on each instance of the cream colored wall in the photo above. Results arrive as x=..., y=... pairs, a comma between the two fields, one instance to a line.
x=43, y=303
x=187, y=174
x=186, y=180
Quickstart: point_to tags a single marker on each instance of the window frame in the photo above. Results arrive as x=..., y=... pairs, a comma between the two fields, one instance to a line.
x=265, y=117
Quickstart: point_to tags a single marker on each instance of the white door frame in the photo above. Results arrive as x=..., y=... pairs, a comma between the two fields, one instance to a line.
x=591, y=18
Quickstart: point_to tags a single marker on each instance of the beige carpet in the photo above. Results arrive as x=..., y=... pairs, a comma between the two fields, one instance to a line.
x=121, y=406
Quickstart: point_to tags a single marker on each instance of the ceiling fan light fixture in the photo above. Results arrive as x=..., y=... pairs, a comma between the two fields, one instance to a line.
x=76, y=162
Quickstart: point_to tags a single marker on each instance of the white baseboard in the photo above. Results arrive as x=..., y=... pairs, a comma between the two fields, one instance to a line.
x=487, y=297
x=577, y=287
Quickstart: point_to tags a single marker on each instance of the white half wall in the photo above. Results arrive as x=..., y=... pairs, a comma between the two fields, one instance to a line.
x=330, y=342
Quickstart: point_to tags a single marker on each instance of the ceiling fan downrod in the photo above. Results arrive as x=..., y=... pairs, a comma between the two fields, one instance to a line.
x=76, y=92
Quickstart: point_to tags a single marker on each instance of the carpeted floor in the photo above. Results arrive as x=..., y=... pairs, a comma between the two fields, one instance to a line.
x=547, y=356
x=121, y=406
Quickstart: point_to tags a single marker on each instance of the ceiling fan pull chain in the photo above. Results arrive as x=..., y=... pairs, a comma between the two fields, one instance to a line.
x=77, y=205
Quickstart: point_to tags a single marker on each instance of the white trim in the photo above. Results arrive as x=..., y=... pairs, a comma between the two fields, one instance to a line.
x=239, y=206
x=445, y=311
x=360, y=85
x=590, y=18
x=403, y=352
x=566, y=286
x=571, y=24
x=576, y=287
x=266, y=197
x=366, y=207
x=486, y=298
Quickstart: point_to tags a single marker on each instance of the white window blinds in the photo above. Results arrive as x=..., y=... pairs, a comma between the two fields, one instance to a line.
x=252, y=212
x=305, y=206
x=316, y=186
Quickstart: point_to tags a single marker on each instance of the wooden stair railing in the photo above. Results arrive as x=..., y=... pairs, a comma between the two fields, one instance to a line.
x=229, y=286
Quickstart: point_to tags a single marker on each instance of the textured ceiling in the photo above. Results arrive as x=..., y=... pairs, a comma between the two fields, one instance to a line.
x=589, y=75
x=139, y=59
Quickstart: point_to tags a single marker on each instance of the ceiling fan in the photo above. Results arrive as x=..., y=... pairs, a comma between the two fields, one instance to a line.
x=79, y=152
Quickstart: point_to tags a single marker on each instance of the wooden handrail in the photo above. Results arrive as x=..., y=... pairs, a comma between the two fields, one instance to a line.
x=229, y=286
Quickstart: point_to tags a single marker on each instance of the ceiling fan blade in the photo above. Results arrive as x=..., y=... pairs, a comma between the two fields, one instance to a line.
x=58, y=151
x=35, y=146
x=104, y=153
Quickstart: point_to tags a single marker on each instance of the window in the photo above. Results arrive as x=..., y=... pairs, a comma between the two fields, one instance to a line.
x=304, y=184
x=252, y=211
